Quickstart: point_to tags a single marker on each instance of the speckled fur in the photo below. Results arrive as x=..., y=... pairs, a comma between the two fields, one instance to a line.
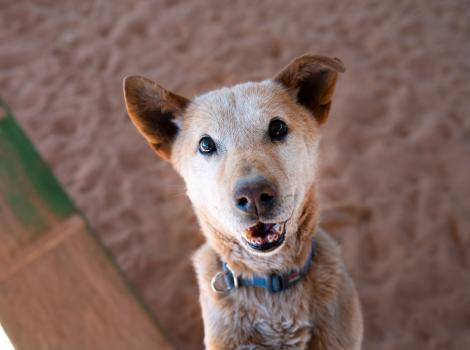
x=320, y=312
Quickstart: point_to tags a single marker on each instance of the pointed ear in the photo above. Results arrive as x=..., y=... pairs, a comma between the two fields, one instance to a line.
x=311, y=82
x=154, y=111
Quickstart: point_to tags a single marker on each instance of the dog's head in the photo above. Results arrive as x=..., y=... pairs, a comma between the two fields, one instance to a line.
x=247, y=153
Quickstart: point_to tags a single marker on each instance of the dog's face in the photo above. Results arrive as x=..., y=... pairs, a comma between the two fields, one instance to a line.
x=248, y=153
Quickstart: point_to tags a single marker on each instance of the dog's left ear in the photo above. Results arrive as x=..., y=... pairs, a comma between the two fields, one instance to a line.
x=155, y=112
x=311, y=80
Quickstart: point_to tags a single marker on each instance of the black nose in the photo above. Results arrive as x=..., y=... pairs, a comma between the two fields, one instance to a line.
x=254, y=195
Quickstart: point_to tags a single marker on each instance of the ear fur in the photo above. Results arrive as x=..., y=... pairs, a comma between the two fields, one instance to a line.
x=154, y=111
x=311, y=82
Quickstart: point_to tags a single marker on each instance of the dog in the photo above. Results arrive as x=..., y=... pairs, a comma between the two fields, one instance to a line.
x=269, y=276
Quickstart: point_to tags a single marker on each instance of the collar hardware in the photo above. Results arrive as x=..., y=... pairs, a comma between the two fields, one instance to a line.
x=274, y=282
x=228, y=277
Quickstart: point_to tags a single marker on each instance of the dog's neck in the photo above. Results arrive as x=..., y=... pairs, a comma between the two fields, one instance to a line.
x=290, y=257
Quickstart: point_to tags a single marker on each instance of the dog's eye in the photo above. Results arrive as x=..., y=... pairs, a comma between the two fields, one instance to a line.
x=277, y=129
x=207, y=145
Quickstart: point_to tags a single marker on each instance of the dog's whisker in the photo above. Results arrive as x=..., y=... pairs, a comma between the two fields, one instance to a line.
x=176, y=195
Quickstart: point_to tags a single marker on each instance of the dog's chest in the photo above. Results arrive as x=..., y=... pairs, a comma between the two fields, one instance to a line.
x=260, y=320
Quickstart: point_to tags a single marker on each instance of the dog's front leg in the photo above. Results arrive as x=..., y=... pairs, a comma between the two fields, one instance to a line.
x=216, y=335
x=341, y=331
x=213, y=344
x=325, y=337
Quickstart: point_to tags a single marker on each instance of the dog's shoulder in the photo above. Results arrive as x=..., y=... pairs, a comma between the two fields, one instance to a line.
x=206, y=263
x=328, y=269
x=333, y=294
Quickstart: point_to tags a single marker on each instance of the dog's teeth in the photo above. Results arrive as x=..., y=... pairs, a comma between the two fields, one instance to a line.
x=270, y=238
x=257, y=240
x=279, y=228
x=275, y=237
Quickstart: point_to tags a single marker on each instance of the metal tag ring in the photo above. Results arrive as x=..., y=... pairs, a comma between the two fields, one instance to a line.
x=214, y=281
x=234, y=276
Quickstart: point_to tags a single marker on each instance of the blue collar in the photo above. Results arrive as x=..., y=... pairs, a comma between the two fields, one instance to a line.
x=274, y=282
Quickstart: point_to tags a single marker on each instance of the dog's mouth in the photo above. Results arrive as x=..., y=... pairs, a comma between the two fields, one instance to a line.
x=265, y=237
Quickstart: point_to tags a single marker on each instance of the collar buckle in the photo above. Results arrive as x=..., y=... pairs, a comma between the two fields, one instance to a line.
x=276, y=283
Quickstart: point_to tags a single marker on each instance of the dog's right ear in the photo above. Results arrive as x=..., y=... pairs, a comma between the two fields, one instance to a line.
x=311, y=80
x=155, y=112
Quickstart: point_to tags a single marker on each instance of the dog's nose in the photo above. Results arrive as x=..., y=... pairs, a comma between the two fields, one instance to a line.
x=254, y=195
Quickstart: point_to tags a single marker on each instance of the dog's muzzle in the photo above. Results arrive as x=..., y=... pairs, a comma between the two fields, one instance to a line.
x=255, y=196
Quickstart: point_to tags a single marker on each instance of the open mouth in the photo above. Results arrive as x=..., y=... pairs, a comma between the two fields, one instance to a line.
x=264, y=237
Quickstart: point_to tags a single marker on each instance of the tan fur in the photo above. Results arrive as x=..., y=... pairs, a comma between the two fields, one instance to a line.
x=320, y=312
